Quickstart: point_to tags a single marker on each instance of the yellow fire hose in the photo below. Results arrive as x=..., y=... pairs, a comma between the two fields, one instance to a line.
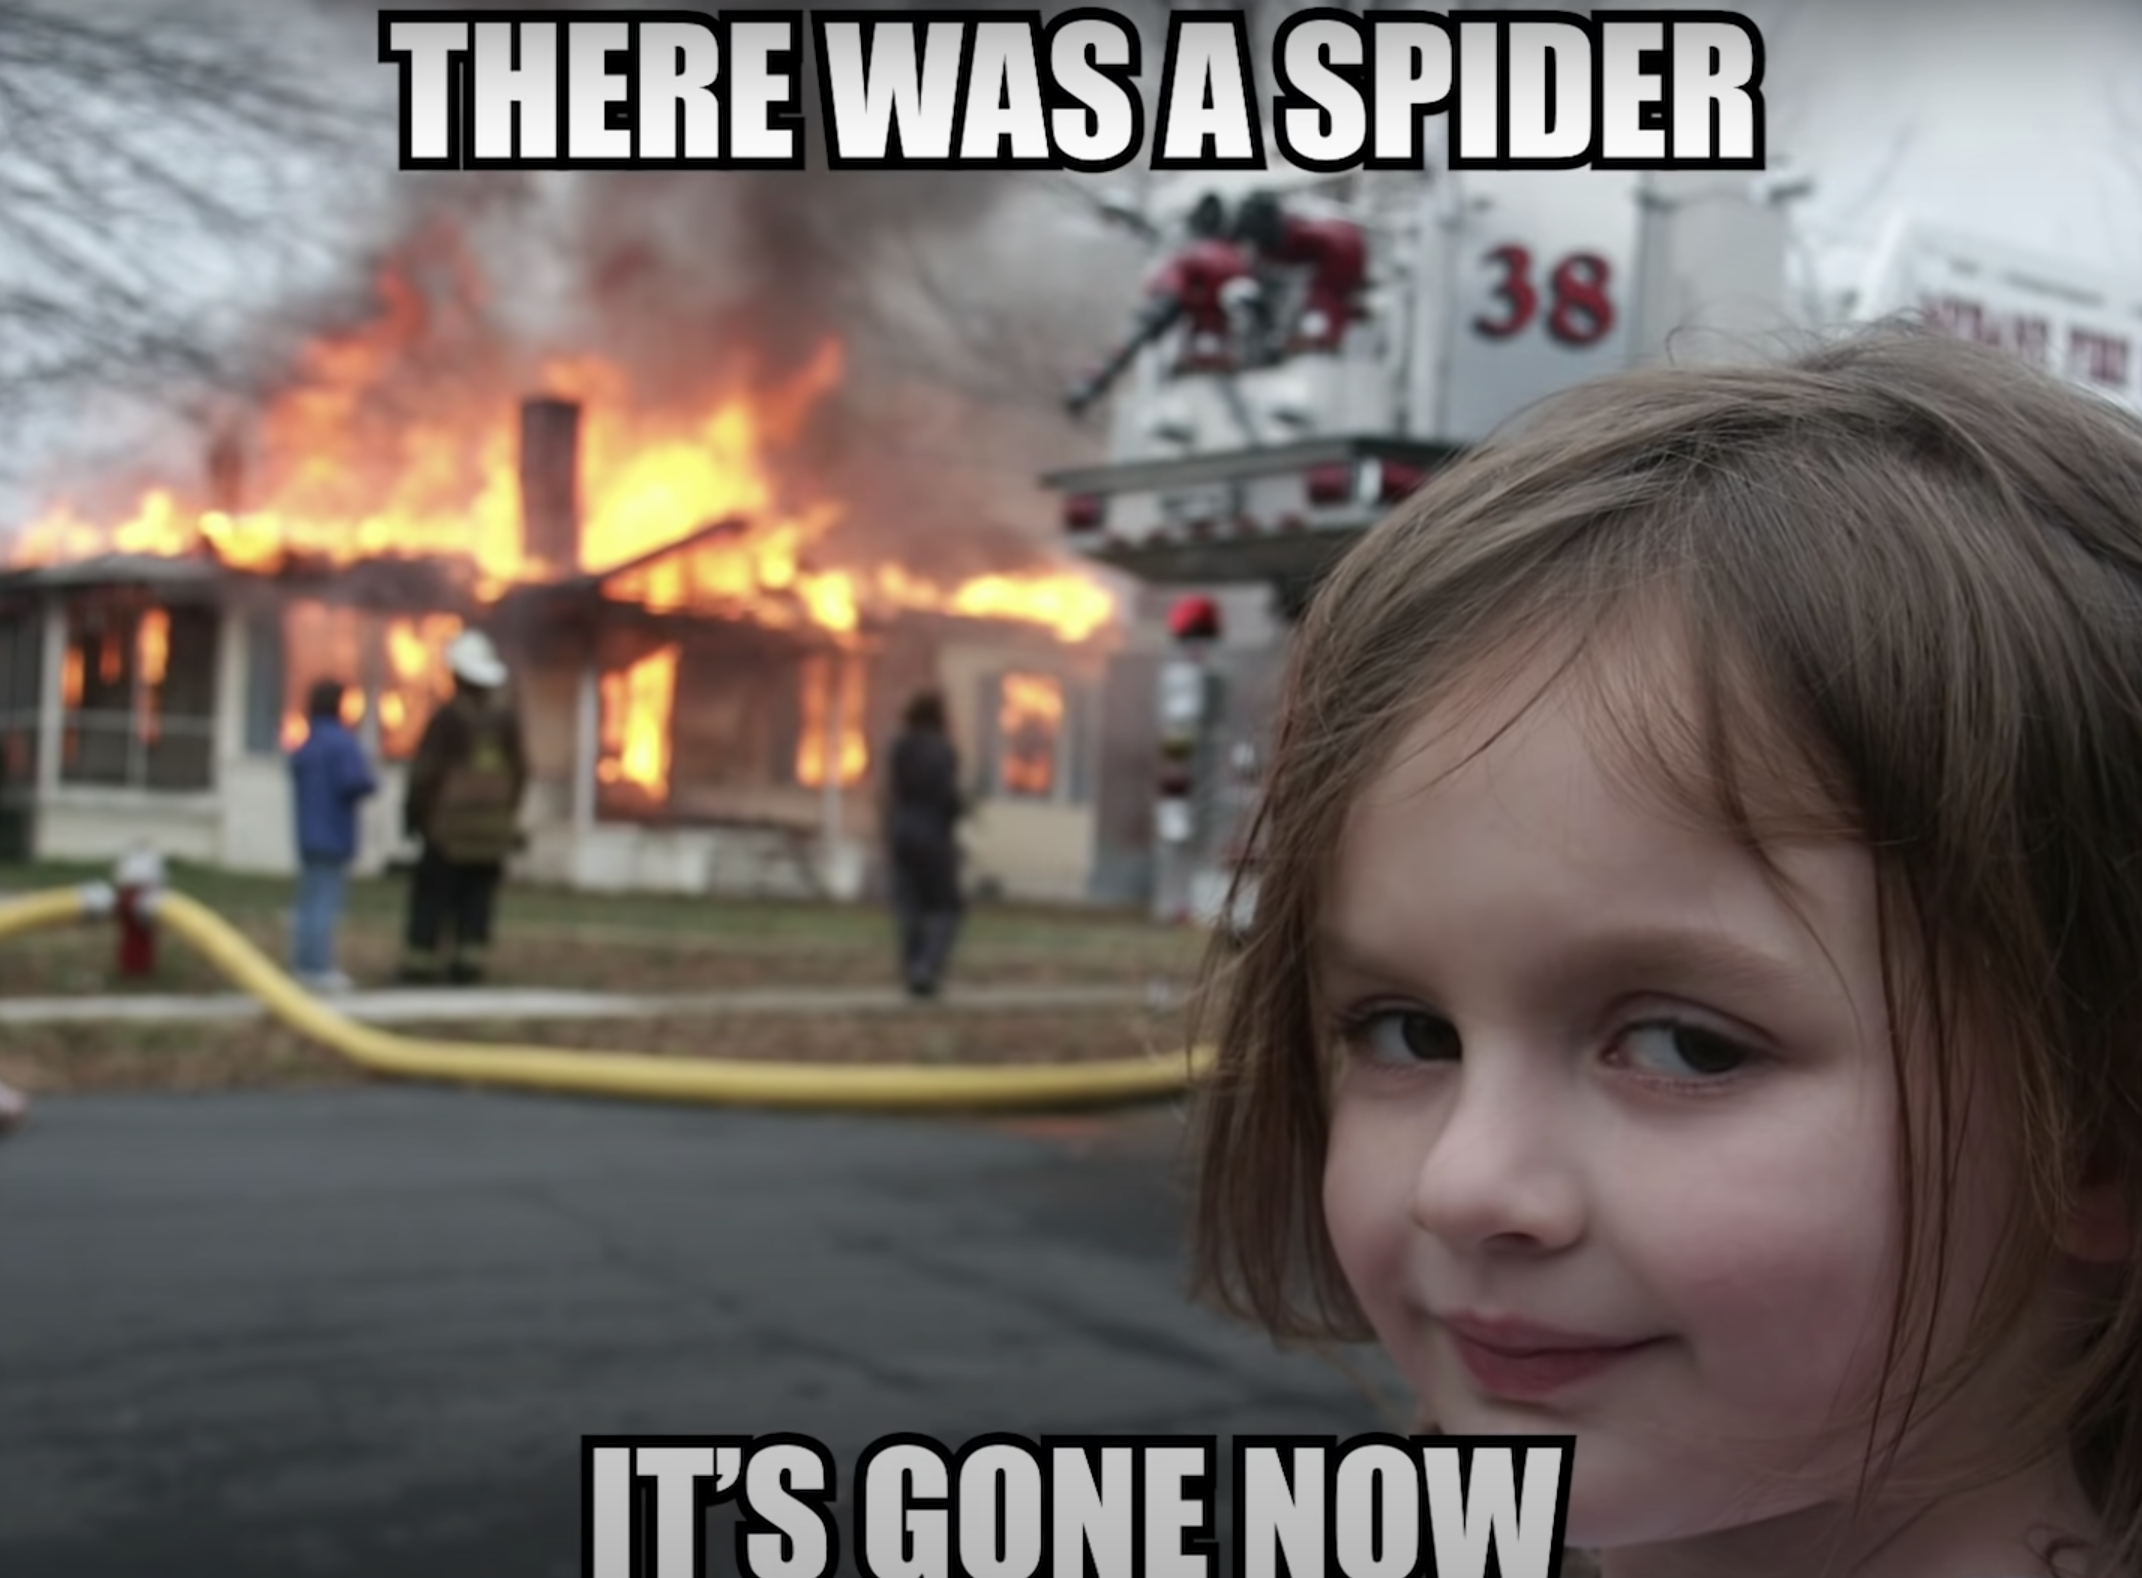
x=644, y=1076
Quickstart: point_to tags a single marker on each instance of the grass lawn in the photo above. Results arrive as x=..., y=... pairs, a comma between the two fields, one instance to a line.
x=635, y=943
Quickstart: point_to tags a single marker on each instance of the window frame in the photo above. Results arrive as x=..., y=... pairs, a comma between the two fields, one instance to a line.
x=144, y=700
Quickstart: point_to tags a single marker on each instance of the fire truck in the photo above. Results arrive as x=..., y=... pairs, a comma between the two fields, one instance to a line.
x=1308, y=350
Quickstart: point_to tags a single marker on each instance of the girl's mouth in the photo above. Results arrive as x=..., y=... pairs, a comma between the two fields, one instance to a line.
x=1524, y=1363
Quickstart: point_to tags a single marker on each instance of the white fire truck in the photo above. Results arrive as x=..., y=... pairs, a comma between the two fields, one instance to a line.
x=1308, y=351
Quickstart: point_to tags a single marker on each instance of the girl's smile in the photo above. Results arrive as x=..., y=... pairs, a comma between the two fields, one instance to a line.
x=1517, y=1361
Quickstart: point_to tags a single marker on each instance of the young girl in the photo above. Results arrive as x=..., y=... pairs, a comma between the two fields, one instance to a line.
x=1694, y=1000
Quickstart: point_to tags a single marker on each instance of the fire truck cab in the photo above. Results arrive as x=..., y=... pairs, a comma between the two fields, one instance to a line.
x=1309, y=349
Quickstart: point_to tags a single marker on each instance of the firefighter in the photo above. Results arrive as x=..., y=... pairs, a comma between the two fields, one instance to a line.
x=1332, y=252
x=463, y=803
x=923, y=806
x=1198, y=288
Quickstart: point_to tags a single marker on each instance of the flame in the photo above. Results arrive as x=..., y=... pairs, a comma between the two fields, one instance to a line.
x=154, y=639
x=1071, y=603
x=344, y=473
x=159, y=527
x=636, y=705
x=417, y=682
x=319, y=642
x=153, y=655
x=323, y=641
x=1029, y=722
x=399, y=435
x=822, y=675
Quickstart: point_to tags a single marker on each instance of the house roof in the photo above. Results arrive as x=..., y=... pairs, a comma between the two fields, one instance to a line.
x=120, y=568
x=590, y=599
x=375, y=582
x=713, y=531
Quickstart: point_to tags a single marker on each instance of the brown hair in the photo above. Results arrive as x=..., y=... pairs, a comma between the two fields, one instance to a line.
x=1913, y=565
x=925, y=712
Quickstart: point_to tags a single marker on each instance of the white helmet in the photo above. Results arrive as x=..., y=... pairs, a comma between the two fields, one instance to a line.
x=473, y=659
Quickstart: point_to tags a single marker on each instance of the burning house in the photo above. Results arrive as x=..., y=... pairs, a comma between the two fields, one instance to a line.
x=703, y=704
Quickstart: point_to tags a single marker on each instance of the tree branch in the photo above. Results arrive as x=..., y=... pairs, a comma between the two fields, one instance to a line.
x=150, y=157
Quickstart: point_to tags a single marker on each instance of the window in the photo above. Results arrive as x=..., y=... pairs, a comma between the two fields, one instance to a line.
x=636, y=734
x=829, y=681
x=1030, y=736
x=263, y=683
x=391, y=665
x=701, y=725
x=138, y=692
x=21, y=684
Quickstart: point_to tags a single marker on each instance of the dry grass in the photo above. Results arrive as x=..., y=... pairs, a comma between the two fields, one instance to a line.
x=622, y=943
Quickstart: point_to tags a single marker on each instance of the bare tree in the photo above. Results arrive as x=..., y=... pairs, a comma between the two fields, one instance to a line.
x=146, y=181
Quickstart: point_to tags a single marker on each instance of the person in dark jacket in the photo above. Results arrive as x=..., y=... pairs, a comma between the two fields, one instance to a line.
x=329, y=779
x=922, y=811
x=463, y=803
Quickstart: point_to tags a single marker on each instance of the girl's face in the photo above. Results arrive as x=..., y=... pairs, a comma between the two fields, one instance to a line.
x=1613, y=1146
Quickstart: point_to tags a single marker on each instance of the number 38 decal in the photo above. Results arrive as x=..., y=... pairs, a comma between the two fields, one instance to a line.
x=1578, y=309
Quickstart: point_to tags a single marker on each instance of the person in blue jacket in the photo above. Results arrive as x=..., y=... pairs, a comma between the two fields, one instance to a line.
x=329, y=777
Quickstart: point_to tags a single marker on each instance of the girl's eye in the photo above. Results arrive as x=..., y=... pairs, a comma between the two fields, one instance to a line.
x=1400, y=1035
x=1671, y=1050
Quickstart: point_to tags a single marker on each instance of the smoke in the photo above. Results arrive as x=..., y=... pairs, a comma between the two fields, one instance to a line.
x=963, y=302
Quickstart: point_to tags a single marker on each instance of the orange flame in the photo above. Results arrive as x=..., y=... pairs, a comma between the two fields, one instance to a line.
x=321, y=642
x=336, y=482
x=154, y=638
x=398, y=439
x=1030, y=723
x=1072, y=604
x=153, y=654
x=328, y=642
x=823, y=675
x=416, y=683
x=636, y=705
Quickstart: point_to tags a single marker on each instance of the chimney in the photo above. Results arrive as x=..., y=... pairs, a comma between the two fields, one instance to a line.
x=226, y=473
x=550, y=483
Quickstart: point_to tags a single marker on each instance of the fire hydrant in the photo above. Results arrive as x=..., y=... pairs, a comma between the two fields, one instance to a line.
x=139, y=878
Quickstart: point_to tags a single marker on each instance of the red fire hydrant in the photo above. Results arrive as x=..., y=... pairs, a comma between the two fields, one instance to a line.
x=139, y=878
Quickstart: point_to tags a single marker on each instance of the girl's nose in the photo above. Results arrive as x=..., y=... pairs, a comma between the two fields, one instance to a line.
x=1501, y=1168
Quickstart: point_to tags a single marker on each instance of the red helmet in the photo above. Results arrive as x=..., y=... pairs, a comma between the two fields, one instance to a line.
x=1194, y=619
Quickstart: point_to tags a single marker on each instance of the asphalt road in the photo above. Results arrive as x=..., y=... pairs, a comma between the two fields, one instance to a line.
x=364, y=1331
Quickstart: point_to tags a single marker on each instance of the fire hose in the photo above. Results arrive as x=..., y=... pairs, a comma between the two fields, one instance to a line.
x=632, y=1075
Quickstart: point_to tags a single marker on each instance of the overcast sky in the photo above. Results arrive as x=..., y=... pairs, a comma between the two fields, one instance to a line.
x=2021, y=122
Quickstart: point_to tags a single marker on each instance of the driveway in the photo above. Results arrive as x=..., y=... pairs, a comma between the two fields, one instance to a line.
x=363, y=1331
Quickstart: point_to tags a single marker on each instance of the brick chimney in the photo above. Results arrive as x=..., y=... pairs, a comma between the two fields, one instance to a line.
x=226, y=473
x=550, y=483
